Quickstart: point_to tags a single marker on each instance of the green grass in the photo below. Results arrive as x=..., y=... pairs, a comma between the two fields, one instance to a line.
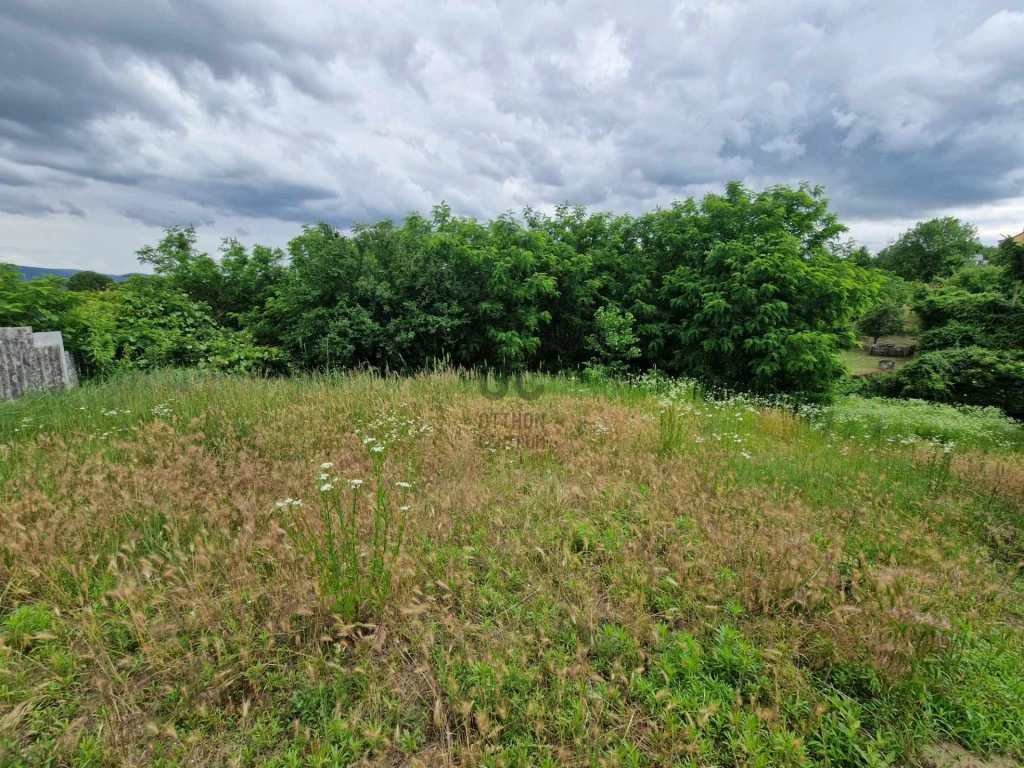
x=860, y=362
x=605, y=575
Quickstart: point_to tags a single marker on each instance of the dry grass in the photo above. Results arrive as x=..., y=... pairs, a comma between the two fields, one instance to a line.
x=577, y=587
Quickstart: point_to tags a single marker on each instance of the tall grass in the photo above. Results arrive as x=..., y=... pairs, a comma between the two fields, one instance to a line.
x=204, y=570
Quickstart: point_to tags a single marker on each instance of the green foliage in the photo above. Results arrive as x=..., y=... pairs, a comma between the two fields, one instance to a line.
x=22, y=628
x=969, y=376
x=1010, y=256
x=148, y=323
x=236, y=287
x=755, y=298
x=89, y=281
x=951, y=335
x=613, y=341
x=931, y=249
x=41, y=303
x=882, y=320
x=988, y=319
x=742, y=289
x=748, y=290
x=974, y=279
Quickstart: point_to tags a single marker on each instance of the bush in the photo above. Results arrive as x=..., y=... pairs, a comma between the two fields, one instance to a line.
x=150, y=324
x=981, y=280
x=968, y=376
x=993, y=322
x=953, y=334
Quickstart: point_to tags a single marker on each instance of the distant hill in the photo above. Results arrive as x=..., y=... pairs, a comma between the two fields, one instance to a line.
x=33, y=273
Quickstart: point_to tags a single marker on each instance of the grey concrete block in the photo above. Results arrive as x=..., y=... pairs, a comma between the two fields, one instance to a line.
x=33, y=361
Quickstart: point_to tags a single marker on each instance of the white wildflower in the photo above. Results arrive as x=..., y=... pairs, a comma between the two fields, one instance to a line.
x=403, y=485
x=326, y=487
x=326, y=465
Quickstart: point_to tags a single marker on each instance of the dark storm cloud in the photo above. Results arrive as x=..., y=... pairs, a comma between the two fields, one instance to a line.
x=358, y=110
x=162, y=218
x=19, y=204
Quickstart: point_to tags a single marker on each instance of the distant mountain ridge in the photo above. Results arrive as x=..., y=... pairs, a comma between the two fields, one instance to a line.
x=34, y=273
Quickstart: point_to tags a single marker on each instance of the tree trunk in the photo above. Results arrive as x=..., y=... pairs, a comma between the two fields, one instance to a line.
x=1016, y=294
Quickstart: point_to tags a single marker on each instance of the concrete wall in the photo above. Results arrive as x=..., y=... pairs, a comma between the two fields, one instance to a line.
x=33, y=361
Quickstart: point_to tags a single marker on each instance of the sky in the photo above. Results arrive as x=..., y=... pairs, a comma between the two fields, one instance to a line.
x=248, y=118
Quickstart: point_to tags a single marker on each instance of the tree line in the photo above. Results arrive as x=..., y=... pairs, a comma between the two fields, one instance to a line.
x=965, y=298
x=751, y=290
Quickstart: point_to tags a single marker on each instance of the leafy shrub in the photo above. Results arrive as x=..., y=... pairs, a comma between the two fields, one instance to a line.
x=981, y=280
x=41, y=303
x=952, y=334
x=969, y=376
x=993, y=321
x=613, y=343
x=149, y=324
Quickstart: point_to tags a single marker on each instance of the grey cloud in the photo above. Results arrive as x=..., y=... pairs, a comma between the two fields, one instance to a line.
x=71, y=209
x=370, y=108
x=20, y=204
x=160, y=217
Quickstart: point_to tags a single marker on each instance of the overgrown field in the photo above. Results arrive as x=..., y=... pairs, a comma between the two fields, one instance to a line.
x=598, y=576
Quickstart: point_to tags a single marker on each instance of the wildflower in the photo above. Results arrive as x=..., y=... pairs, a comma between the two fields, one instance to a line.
x=404, y=509
x=326, y=487
x=403, y=485
x=745, y=455
x=355, y=484
x=324, y=476
x=378, y=449
x=326, y=465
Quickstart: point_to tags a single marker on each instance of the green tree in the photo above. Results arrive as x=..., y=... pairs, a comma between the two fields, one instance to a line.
x=884, y=319
x=1010, y=256
x=42, y=304
x=186, y=268
x=758, y=300
x=931, y=249
x=85, y=281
